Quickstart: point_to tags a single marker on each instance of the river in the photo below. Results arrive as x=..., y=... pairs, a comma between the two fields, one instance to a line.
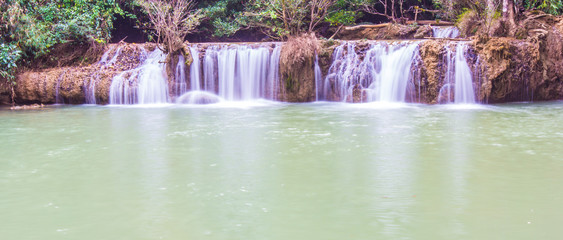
x=282, y=171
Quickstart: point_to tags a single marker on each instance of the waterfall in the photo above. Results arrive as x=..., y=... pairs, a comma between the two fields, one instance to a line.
x=464, y=92
x=445, y=32
x=90, y=87
x=395, y=72
x=239, y=72
x=458, y=81
x=382, y=75
x=146, y=84
x=445, y=95
x=274, y=73
x=210, y=69
x=318, y=77
x=59, y=99
x=375, y=71
x=180, y=84
x=226, y=59
x=194, y=70
x=342, y=73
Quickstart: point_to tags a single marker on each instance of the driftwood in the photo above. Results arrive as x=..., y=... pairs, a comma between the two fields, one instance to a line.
x=432, y=22
x=449, y=39
x=382, y=25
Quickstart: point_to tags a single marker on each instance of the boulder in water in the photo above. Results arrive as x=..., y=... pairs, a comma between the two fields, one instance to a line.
x=198, y=97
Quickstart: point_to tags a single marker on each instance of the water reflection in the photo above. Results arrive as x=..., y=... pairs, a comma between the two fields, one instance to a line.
x=461, y=125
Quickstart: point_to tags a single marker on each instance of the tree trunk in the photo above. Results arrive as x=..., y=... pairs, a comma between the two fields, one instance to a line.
x=508, y=11
x=490, y=10
x=284, y=17
x=490, y=13
x=393, y=9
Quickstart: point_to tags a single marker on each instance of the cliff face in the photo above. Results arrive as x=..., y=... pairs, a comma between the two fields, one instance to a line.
x=71, y=84
x=431, y=70
x=526, y=68
x=297, y=74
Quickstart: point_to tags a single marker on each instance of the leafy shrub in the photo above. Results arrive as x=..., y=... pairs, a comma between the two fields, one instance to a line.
x=31, y=28
x=225, y=17
x=9, y=56
x=549, y=6
x=468, y=22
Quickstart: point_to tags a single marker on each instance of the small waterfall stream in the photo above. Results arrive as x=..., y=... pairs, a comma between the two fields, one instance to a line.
x=210, y=69
x=237, y=72
x=464, y=92
x=180, y=84
x=318, y=77
x=146, y=84
x=458, y=80
x=382, y=75
x=445, y=32
x=90, y=86
x=194, y=70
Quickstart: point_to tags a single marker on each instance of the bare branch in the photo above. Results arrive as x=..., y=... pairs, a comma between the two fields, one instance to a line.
x=171, y=20
x=319, y=11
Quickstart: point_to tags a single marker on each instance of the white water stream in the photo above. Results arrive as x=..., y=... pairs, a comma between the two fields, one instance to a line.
x=445, y=32
x=237, y=72
x=382, y=75
x=458, y=81
x=146, y=84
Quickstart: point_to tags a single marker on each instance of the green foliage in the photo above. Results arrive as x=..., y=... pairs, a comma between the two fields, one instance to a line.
x=342, y=18
x=549, y=6
x=9, y=56
x=343, y=12
x=225, y=17
x=463, y=15
x=31, y=28
x=36, y=26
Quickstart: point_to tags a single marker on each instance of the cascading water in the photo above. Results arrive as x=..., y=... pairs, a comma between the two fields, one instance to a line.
x=58, y=99
x=318, y=77
x=360, y=72
x=210, y=69
x=342, y=73
x=395, y=72
x=196, y=95
x=274, y=73
x=237, y=73
x=458, y=80
x=445, y=95
x=146, y=84
x=195, y=84
x=382, y=75
x=90, y=87
x=180, y=84
x=445, y=32
x=464, y=92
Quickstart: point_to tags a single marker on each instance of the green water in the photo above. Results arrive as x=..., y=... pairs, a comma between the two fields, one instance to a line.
x=306, y=171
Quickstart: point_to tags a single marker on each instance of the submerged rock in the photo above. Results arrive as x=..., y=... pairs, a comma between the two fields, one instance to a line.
x=27, y=107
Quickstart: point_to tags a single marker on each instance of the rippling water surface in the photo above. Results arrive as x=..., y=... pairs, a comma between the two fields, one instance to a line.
x=282, y=171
